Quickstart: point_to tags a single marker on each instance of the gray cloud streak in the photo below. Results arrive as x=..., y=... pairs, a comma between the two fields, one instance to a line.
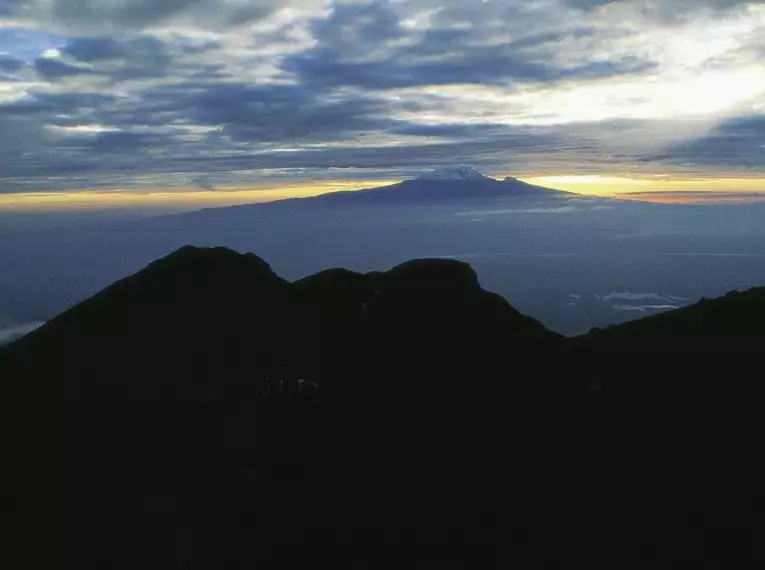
x=95, y=15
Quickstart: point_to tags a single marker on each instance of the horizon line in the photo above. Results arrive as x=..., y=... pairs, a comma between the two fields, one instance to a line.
x=657, y=188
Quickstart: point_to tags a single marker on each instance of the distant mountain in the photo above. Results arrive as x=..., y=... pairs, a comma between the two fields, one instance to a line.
x=448, y=184
x=205, y=412
x=443, y=187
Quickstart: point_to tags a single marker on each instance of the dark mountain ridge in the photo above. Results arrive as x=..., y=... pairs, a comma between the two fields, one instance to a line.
x=198, y=300
x=206, y=413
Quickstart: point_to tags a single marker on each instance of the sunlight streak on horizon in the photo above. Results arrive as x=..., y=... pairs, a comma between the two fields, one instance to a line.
x=660, y=188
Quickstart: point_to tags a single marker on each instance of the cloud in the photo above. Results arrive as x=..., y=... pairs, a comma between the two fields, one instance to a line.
x=712, y=254
x=131, y=57
x=469, y=256
x=132, y=92
x=627, y=296
x=503, y=211
x=205, y=182
x=697, y=196
x=134, y=57
x=97, y=15
x=9, y=68
x=10, y=333
x=367, y=46
x=19, y=140
x=737, y=142
x=632, y=301
x=644, y=308
x=96, y=49
x=667, y=10
x=485, y=66
x=277, y=113
x=10, y=65
x=54, y=69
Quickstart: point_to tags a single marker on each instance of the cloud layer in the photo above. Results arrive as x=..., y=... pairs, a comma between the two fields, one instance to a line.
x=14, y=332
x=98, y=93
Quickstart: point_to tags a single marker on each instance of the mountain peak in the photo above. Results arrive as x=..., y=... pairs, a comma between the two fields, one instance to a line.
x=453, y=173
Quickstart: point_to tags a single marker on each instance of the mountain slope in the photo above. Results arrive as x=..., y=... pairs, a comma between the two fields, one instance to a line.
x=214, y=308
x=192, y=310
x=732, y=322
x=708, y=355
x=186, y=387
x=206, y=413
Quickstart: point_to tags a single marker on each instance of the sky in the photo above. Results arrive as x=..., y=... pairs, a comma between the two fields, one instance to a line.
x=192, y=103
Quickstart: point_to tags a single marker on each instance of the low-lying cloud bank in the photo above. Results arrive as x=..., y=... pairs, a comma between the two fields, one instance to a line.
x=10, y=333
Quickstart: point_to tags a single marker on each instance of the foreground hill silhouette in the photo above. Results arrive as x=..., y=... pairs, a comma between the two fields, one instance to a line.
x=205, y=413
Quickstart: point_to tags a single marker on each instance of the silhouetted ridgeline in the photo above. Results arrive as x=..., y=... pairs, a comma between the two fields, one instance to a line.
x=205, y=413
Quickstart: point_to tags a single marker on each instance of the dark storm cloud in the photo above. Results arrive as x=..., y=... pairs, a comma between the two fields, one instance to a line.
x=669, y=11
x=55, y=103
x=736, y=143
x=352, y=26
x=8, y=69
x=138, y=14
x=237, y=113
x=135, y=13
x=536, y=40
x=364, y=45
x=506, y=147
x=269, y=113
x=491, y=65
x=139, y=88
x=256, y=117
x=53, y=69
x=119, y=142
x=41, y=136
x=710, y=196
x=247, y=119
x=20, y=141
x=133, y=58
x=8, y=6
x=666, y=6
x=10, y=65
x=446, y=131
x=95, y=49
x=90, y=49
x=126, y=58
x=482, y=151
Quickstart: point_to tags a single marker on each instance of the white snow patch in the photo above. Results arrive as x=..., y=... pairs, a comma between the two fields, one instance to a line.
x=453, y=173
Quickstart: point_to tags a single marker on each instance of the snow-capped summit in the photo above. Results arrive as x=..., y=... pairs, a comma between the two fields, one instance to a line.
x=453, y=173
